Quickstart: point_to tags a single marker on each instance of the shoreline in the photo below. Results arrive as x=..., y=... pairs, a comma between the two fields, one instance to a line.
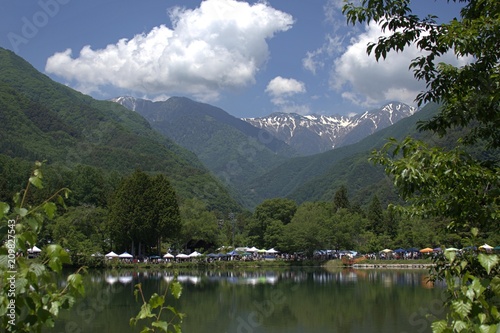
x=392, y=266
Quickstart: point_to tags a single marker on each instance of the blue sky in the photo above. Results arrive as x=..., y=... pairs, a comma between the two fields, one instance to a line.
x=250, y=58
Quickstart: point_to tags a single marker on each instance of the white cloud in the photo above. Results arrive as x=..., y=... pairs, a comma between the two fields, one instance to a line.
x=283, y=92
x=366, y=82
x=219, y=45
x=282, y=86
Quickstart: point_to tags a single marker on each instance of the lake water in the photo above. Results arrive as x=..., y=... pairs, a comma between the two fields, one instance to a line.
x=302, y=300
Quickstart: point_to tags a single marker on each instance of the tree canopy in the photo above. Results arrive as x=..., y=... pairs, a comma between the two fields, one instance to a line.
x=452, y=184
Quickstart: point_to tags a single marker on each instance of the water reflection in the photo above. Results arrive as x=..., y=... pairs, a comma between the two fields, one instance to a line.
x=350, y=275
x=306, y=300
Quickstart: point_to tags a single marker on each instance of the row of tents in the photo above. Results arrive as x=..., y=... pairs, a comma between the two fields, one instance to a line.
x=236, y=252
x=484, y=247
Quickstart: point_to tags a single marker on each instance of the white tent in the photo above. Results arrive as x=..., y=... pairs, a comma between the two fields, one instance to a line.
x=486, y=247
x=272, y=251
x=253, y=249
x=111, y=255
x=182, y=256
x=195, y=254
x=125, y=255
x=168, y=256
x=34, y=249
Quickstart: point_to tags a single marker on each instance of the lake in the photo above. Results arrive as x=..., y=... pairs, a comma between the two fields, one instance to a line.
x=301, y=300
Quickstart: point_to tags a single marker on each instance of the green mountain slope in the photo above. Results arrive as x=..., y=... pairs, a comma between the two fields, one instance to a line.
x=231, y=148
x=317, y=177
x=44, y=120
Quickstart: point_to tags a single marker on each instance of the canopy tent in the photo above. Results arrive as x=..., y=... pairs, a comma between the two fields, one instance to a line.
x=125, y=255
x=233, y=253
x=34, y=249
x=426, y=250
x=486, y=247
x=168, y=256
x=252, y=249
x=451, y=249
x=241, y=249
x=111, y=255
x=272, y=251
x=195, y=254
x=412, y=249
x=400, y=250
x=386, y=250
x=182, y=256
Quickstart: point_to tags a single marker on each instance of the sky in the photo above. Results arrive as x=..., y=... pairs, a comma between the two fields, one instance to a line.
x=250, y=58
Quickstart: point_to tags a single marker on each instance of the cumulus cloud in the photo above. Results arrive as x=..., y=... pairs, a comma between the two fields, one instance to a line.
x=280, y=89
x=220, y=45
x=284, y=92
x=366, y=82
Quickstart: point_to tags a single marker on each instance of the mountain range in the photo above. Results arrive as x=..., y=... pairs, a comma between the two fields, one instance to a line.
x=229, y=163
x=312, y=134
x=245, y=153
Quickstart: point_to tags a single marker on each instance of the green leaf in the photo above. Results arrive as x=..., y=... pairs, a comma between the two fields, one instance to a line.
x=37, y=268
x=495, y=285
x=4, y=209
x=36, y=181
x=145, y=312
x=54, y=308
x=163, y=325
x=439, y=326
x=488, y=261
x=50, y=209
x=176, y=289
x=76, y=282
x=156, y=301
x=488, y=329
x=21, y=211
x=461, y=308
x=459, y=326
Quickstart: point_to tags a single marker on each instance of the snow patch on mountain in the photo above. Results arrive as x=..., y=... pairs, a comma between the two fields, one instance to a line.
x=312, y=134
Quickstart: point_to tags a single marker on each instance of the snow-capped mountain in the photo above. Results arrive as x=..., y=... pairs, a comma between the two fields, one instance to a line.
x=312, y=134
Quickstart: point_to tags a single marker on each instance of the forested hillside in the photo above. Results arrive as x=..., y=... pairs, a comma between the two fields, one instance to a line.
x=44, y=120
x=317, y=177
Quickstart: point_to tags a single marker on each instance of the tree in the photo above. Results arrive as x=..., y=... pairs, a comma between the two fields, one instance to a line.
x=143, y=211
x=450, y=184
x=375, y=215
x=340, y=199
x=270, y=210
x=199, y=226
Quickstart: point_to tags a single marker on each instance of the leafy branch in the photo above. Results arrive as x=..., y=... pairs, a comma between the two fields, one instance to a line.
x=158, y=302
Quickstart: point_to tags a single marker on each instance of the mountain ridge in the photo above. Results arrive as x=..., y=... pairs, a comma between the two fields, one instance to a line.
x=311, y=134
x=41, y=119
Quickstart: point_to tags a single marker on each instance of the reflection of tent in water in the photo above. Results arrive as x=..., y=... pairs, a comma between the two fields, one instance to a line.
x=426, y=282
x=125, y=279
x=111, y=279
